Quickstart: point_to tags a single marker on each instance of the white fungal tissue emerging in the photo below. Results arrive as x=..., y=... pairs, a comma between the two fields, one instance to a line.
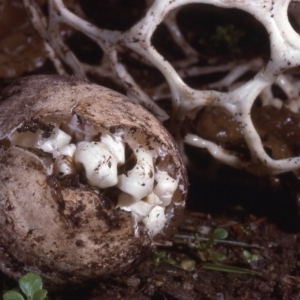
x=106, y=161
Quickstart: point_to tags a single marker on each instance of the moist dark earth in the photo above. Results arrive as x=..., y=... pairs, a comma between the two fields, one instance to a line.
x=260, y=215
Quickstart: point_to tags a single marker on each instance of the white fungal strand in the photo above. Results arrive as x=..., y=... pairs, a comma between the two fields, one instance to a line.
x=35, y=138
x=139, y=181
x=99, y=163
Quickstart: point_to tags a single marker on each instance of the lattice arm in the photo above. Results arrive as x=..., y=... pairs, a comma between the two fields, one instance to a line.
x=238, y=100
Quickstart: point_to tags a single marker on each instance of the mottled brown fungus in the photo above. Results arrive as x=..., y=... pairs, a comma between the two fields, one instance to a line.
x=82, y=195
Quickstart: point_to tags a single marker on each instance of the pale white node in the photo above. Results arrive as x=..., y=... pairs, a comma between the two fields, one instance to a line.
x=139, y=181
x=165, y=188
x=57, y=140
x=156, y=220
x=116, y=147
x=139, y=209
x=99, y=163
x=64, y=162
x=66, y=150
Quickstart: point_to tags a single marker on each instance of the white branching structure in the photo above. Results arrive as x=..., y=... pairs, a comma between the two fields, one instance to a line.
x=186, y=101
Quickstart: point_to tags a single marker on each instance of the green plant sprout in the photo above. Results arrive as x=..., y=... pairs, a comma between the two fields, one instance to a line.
x=228, y=269
x=205, y=245
x=31, y=285
x=205, y=251
x=250, y=257
x=162, y=257
x=228, y=35
x=210, y=258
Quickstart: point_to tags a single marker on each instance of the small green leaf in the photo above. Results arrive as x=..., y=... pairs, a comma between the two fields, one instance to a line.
x=246, y=229
x=188, y=265
x=202, y=255
x=40, y=295
x=250, y=257
x=12, y=295
x=247, y=254
x=254, y=257
x=216, y=256
x=220, y=234
x=227, y=269
x=30, y=283
x=160, y=254
x=170, y=261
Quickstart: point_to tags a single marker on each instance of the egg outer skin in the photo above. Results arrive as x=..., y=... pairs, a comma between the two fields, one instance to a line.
x=68, y=233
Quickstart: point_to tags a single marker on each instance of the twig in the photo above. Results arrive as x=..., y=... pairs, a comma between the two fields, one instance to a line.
x=204, y=239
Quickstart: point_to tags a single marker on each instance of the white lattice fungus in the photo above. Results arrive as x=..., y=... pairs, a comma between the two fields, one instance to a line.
x=152, y=215
x=165, y=188
x=142, y=197
x=156, y=220
x=139, y=181
x=115, y=147
x=143, y=189
x=99, y=163
x=64, y=163
x=151, y=209
x=100, y=160
x=145, y=211
x=281, y=69
x=139, y=209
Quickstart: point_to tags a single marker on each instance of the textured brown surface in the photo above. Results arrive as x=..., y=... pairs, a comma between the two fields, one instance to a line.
x=62, y=229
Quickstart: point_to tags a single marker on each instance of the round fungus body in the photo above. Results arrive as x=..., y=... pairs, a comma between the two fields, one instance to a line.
x=88, y=180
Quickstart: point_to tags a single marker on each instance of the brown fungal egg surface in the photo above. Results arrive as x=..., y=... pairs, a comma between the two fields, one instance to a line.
x=88, y=180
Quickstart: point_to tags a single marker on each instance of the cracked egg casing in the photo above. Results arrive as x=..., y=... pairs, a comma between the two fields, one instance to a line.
x=60, y=223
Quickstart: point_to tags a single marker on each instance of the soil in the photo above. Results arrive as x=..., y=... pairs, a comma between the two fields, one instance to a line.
x=261, y=221
x=260, y=215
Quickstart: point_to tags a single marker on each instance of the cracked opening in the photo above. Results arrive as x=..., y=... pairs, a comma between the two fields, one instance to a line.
x=223, y=47
x=138, y=178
